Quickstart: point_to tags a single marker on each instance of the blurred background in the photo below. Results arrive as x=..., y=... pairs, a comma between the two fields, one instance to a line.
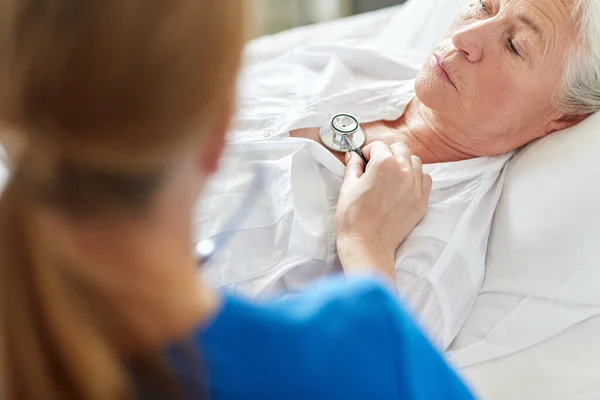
x=273, y=16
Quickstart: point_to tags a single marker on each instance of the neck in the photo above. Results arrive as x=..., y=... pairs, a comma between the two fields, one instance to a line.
x=427, y=136
x=148, y=271
x=170, y=297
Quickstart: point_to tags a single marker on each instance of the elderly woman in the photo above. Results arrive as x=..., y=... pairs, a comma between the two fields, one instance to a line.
x=498, y=80
x=508, y=72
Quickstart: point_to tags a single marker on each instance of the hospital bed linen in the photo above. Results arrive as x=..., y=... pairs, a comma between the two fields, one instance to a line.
x=415, y=26
x=537, y=318
x=288, y=240
x=359, y=27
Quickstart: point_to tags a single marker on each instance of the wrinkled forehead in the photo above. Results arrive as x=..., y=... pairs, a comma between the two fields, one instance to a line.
x=553, y=22
x=556, y=12
x=556, y=16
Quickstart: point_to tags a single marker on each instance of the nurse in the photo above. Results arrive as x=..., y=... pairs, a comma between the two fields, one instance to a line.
x=120, y=110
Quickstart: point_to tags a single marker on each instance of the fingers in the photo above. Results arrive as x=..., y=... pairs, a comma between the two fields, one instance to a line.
x=400, y=150
x=376, y=149
x=423, y=181
x=417, y=168
x=355, y=167
x=426, y=183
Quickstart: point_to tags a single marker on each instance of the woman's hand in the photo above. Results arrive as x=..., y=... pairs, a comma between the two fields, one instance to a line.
x=379, y=207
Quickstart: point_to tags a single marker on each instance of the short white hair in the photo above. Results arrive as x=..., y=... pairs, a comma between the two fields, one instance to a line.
x=579, y=92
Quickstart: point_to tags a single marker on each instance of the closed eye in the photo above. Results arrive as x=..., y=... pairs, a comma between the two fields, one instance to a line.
x=512, y=48
x=483, y=7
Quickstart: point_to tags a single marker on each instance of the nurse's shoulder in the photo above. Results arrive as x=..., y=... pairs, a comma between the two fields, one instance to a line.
x=341, y=339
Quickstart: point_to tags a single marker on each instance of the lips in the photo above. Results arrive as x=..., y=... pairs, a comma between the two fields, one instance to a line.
x=443, y=69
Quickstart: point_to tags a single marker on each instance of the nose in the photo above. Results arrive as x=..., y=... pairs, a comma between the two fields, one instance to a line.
x=469, y=42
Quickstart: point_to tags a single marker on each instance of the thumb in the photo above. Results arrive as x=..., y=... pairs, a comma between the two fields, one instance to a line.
x=355, y=167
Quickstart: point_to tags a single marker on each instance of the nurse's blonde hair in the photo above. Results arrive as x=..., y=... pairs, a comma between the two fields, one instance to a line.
x=99, y=96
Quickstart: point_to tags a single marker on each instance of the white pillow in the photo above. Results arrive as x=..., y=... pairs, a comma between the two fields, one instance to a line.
x=420, y=25
x=359, y=27
x=415, y=26
x=543, y=267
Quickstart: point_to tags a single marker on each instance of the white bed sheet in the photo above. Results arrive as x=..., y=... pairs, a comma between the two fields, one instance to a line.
x=415, y=26
x=360, y=27
x=536, y=322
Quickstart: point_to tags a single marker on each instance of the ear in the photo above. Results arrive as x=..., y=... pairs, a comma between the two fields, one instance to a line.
x=565, y=121
x=213, y=146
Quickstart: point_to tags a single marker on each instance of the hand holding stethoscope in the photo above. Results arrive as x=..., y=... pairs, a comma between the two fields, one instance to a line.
x=342, y=134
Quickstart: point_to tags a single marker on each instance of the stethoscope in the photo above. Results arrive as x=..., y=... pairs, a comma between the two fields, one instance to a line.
x=342, y=134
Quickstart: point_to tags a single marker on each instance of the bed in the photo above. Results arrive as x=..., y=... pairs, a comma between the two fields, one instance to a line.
x=533, y=332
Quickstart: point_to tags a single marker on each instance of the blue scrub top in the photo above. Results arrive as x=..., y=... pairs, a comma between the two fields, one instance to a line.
x=343, y=339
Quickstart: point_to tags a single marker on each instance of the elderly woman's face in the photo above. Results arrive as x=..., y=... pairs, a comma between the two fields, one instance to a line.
x=496, y=71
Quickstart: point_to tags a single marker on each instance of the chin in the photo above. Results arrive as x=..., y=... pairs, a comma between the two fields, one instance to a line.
x=432, y=92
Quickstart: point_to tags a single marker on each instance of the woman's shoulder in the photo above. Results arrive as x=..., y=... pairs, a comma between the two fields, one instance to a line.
x=330, y=305
x=340, y=339
x=341, y=292
x=300, y=344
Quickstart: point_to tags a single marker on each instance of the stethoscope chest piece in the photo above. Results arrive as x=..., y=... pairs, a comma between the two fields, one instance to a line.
x=343, y=130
